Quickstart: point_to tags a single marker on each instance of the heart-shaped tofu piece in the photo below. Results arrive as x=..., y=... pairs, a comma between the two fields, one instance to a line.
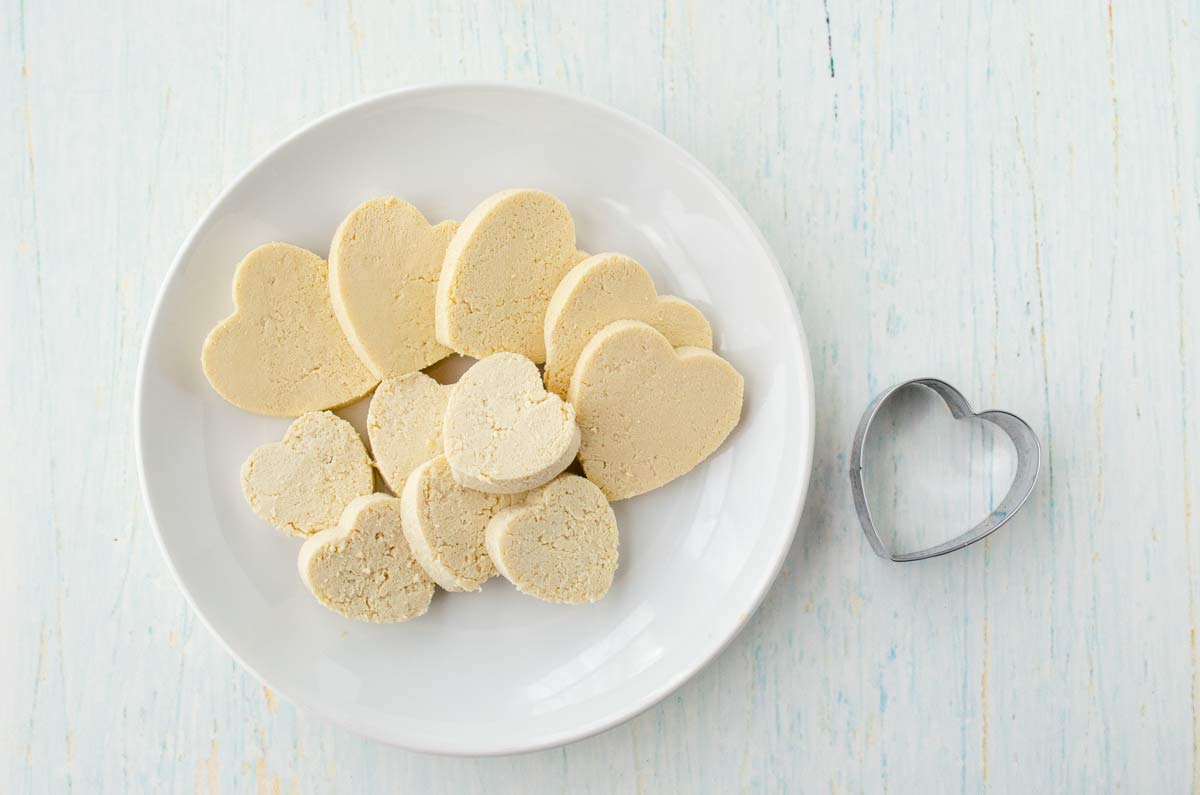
x=445, y=526
x=384, y=264
x=282, y=351
x=301, y=485
x=363, y=568
x=604, y=288
x=560, y=544
x=504, y=433
x=499, y=273
x=404, y=424
x=647, y=411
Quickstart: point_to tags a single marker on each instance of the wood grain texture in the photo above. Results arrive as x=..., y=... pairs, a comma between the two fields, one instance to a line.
x=1003, y=194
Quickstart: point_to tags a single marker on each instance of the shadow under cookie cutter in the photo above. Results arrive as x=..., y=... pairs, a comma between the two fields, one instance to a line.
x=1029, y=464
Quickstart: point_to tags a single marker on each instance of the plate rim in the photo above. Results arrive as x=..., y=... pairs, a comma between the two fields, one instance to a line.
x=803, y=466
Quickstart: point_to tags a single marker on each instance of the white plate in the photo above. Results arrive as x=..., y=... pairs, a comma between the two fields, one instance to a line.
x=492, y=672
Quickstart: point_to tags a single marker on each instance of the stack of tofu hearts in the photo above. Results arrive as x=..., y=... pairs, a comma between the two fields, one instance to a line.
x=630, y=388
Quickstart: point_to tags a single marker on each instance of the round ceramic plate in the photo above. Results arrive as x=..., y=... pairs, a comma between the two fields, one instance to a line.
x=491, y=672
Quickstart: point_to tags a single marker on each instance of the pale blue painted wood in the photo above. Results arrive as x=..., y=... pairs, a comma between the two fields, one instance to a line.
x=1003, y=194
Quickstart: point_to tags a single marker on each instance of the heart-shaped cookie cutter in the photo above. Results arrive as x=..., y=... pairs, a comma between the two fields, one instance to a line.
x=1029, y=464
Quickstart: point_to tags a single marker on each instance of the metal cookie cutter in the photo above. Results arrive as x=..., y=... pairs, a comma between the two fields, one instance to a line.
x=1029, y=463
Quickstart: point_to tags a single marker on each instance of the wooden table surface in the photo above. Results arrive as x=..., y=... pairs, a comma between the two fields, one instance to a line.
x=1003, y=194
